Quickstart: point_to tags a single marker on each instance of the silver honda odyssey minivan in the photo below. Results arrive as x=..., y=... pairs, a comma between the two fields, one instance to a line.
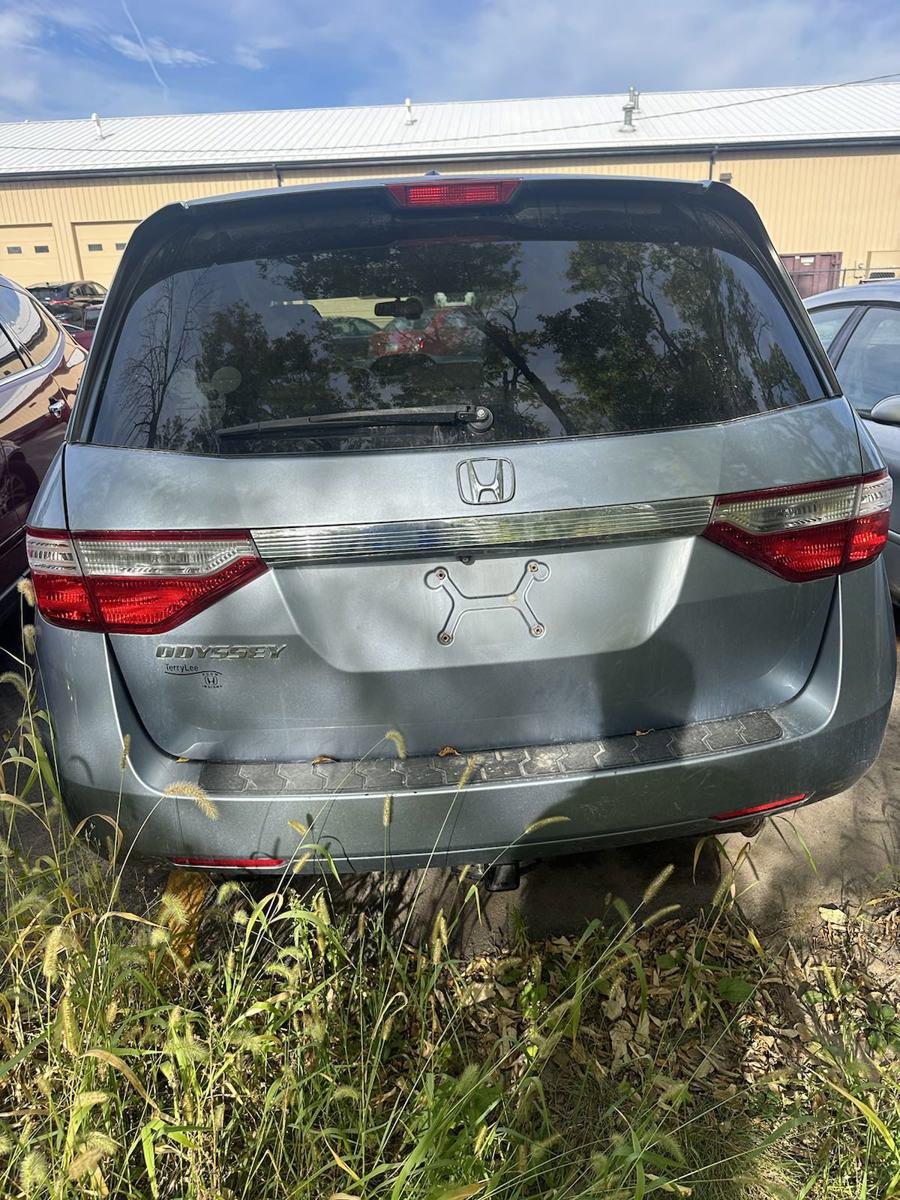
x=530, y=504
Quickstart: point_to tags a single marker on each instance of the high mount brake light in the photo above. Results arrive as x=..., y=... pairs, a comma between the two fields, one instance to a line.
x=808, y=531
x=136, y=582
x=453, y=195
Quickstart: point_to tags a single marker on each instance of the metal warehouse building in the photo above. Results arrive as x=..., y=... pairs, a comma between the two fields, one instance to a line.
x=822, y=164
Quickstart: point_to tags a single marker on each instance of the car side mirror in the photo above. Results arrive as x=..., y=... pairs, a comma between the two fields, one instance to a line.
x=887, y=411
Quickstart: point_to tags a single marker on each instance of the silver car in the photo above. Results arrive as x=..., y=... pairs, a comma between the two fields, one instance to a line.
x=610, y=574
x=860, y=329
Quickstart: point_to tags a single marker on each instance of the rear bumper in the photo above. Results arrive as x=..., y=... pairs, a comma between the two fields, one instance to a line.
x=823, y=740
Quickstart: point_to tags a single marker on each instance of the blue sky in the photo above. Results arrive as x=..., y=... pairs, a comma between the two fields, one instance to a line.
x=69, y=60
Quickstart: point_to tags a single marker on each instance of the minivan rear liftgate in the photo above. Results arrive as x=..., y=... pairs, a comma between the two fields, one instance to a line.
x=540, y=471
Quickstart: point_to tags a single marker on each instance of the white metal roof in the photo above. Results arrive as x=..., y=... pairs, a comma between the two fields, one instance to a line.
x=442, y=132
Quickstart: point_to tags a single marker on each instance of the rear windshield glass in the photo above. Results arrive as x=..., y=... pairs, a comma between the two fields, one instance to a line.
x=50, y=293
x=398, y=332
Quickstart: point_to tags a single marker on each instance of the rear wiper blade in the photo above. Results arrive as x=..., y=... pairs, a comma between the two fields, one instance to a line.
x=476, y=416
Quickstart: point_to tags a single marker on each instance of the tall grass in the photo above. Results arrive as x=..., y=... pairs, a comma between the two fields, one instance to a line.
x=295, y=1045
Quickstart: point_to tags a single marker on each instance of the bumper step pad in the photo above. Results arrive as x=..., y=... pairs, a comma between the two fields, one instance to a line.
x=382, y=776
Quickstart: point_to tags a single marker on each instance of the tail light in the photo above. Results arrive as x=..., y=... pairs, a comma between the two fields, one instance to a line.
x=136, y=582
x=453, y=195
x=809, y=531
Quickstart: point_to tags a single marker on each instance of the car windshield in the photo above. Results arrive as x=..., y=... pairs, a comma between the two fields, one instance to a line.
x=558, y=333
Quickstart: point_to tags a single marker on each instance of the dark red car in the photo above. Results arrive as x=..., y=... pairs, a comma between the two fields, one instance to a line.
x=40, y=366
x=81, y=325
x=445, y=333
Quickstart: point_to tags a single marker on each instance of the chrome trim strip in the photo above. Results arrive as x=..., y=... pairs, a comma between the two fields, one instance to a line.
x=613, y=523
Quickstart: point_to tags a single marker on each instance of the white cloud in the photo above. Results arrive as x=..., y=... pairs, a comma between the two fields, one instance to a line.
x=249, y=54
x=549, y=47
x=158, y=51
x=60, y=60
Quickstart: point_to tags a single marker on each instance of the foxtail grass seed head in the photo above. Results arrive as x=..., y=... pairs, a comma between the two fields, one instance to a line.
x=6, y=1139
x=656, y=885
x=159, y=937
x=57, y=940
x=439, y=938
x=96, y=1140
x=25, y=588
x=323, y=920
x=191, y=791
x=29, y=637
x=86, y=1161
x=315, y=1027
x=395, y=736
x=468, y=772
x=17, y=682
x=387, y=811
x=386, y=1026
x=321, y=907
x=557, y=819
x=301, y=862
x=346, y=1093
x=34, y=1173
x=174, y=910
x=229, y=888
x=126, y=750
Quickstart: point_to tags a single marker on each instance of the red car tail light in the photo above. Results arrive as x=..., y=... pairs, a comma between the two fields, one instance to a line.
x=452, y=195
x=808, y=531
x=136, y=582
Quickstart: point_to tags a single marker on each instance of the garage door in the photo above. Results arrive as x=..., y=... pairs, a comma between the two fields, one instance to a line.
x=28, y=254
x=100, y=245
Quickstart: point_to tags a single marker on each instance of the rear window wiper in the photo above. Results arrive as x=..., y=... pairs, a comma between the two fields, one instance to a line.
x=475, y=416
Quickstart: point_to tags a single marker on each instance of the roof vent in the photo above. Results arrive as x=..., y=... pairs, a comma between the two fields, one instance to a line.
x=96, y=120
x=627, y=125
x=634, y=98
x=407, y=104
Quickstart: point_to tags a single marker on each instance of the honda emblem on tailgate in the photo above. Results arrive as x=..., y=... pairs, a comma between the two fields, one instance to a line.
x=486, y=480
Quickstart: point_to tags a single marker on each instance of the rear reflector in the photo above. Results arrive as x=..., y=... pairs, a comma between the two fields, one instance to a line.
x=761, y=808
x=452, y=195
x=808, y=531
x=259, y=863
x=136, y=582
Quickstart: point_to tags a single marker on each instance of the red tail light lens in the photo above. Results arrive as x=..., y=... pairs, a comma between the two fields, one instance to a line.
x=452, y=195
x=809, y=531
x=136, y=582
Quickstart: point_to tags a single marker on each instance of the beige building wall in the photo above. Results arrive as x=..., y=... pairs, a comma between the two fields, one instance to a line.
x=811, y=201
